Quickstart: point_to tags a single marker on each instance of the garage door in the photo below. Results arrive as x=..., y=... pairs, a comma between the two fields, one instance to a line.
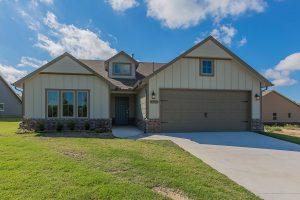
x=199, y=110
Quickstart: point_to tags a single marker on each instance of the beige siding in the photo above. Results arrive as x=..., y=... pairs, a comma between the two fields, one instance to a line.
x=209, y=50
x=35, y=93
x=275, y=103
x=184, y=73
x=66, y=65
x=141, y=104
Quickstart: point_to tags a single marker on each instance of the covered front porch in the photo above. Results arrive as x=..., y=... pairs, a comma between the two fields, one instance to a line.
x=123, y=108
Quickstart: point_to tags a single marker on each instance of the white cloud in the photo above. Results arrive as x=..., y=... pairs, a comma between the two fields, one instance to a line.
x=290, y=63
x=48, y=2
x=186, y=13
x=280, y=75
x=11, y=74
x=81, y=43
x=122, y=5
x=31, y=62
x=243, y=42
x=224, y=34
x=32, y=23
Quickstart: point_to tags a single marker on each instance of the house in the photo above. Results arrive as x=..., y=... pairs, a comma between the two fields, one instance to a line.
x=278, y=109
x=10, y=102
x=206, y=88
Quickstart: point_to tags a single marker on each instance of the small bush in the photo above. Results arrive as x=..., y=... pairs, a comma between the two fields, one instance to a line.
x=272, y=128
x=59, y=127
x=101, y=130
x=87, y=125
x=41, y=126
x=291, y=126
x=24, y=131
x=71, y=125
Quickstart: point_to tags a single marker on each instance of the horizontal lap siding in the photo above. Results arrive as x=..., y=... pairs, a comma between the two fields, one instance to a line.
x=35, y=93
x=184, y=74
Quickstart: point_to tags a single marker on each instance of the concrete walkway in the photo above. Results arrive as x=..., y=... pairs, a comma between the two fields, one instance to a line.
x=126, y=131
x=268, y=167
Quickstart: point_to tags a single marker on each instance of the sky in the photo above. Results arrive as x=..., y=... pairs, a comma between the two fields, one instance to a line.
x=265, y=34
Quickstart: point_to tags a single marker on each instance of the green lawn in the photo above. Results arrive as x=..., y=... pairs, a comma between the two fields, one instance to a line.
x=35, y=167
x=288, y=138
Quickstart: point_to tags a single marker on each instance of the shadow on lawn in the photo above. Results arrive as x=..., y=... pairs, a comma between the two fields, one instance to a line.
x=76, y=135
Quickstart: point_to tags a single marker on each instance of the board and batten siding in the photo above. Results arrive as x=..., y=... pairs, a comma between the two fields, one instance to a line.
x=184, y=74
x=35, y=93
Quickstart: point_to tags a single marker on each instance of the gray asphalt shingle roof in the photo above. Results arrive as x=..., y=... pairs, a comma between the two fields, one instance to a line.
x=143, y=70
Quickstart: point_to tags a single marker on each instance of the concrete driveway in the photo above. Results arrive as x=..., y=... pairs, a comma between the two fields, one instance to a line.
x=268, y=167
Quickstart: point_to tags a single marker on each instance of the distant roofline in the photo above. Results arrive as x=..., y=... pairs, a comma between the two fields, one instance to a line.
x=274, y=91
x=10, y=88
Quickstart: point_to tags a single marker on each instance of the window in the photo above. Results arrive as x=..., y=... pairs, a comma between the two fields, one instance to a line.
x=82, y=103
x=1, y=106
x=52, y=103
x=68, y=103
x=123, y=69
x=274, y=116
x=289, y=115
x=207, y=68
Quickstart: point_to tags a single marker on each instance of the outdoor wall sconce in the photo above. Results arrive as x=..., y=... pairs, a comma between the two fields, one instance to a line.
x=153, y=95
x=257, y=97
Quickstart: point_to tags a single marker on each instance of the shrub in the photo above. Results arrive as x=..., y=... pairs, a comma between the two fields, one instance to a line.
x=272, y=128
x=24, y=131
x=291, y=126
x=86, y=125
x=59, y=126
x=100, y=130
x=71, y=125
x=41, y=126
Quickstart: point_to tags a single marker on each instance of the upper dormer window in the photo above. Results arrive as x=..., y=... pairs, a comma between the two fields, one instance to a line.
x=121, y=69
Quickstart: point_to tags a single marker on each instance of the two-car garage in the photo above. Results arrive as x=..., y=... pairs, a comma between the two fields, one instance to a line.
x=204, y=110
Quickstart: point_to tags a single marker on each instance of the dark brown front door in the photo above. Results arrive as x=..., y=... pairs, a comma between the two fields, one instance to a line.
x=122, y=110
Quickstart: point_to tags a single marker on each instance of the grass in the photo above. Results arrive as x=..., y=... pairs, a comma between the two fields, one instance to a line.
x=37, y=167
x=288, y=138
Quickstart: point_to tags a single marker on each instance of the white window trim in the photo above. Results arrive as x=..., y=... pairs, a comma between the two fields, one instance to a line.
x=3, y=107
x=88, y=104
x=125, y=75
x=61, y=104
x=212, y=70
x=57, y=91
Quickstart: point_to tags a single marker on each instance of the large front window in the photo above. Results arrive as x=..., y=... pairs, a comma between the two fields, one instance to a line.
x=82, y=104
x=52, y=103
x=68, y=103
x=123, y=69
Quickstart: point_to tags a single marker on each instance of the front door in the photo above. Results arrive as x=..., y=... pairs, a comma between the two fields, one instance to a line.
x=122, y=110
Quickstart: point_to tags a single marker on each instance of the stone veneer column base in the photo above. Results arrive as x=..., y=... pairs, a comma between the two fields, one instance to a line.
x=256, y=125
x=50, y=124
x=152, y=126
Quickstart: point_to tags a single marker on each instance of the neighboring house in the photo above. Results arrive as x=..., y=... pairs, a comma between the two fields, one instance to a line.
x=206, y=88
x=10, y=102
x=279, y=109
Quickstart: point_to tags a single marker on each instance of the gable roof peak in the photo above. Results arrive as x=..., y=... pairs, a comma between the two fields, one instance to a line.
x=122, y=53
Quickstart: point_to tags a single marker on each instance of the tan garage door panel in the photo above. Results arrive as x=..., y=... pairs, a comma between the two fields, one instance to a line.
x=195, y=110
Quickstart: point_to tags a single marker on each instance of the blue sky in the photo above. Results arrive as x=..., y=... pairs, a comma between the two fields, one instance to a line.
x=263, y=33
